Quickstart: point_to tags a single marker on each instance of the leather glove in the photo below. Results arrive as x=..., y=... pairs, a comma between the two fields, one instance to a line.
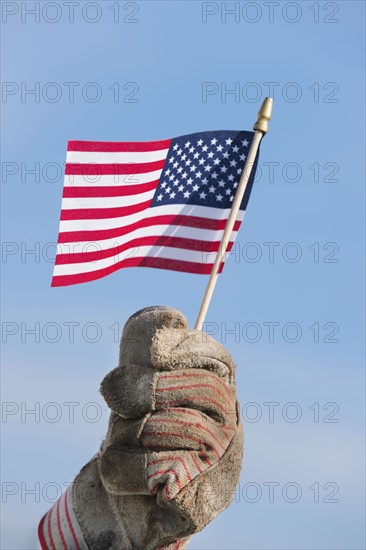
x=172, y=456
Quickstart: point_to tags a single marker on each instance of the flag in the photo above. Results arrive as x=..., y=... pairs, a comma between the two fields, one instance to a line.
x=161, y=204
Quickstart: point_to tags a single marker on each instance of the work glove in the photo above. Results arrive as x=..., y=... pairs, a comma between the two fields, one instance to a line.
x=171, y=458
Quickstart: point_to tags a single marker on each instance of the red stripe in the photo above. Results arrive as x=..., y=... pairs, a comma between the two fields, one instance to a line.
x=186, y=221
x=102, y=213
x=191, y=387
x=118, y=146
x=70, y=523
x=94, y=169
x=161, y=472
x=158, y=240
x=191, y=398
x=177, y=458
x=59, y=525
x=49, y=530
x=158, y=263
x=196, y=463
x=71, y=192
x=41, y=536
x=180, y=436
x=182, y=422
x=206, y=374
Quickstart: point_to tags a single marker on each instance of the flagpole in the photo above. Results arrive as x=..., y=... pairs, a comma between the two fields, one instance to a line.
x=261, y=128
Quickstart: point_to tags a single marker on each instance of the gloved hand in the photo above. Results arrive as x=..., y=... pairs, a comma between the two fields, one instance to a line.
x=172, y=455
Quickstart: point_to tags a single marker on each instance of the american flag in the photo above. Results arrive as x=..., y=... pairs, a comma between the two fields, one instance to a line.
x=161, y=204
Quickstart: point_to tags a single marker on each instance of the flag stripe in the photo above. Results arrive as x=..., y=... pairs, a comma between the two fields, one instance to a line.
x=148, y=230
x=100, y=213
x=118, y=146
x=203, y=247
x=167, y=252
x=100, y=203
x=88, y=169
x=176, y=211
x=158, y=263
x=71, y=180
x=115, y=157
x=107, y=190
x=174, y=221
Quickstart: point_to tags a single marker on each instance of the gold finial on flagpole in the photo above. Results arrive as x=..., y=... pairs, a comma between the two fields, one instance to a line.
x=264, y=115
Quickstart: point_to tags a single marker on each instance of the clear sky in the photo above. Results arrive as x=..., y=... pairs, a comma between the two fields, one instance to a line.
x=292, y=295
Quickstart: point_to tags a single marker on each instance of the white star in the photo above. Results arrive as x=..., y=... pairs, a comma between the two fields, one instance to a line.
x=171, y=177
x=191, y=149
x=214, y=175
x=212, y=189
x=205, y=181
x=164, y=184
x=220, y=148
x=201, y=161
x=199, y=142
x=184, y=175
x=171, y=159
x=231, y=198
x=235, y=185
x=216, y=161
x=186, y=194
x=214, y=141
x=204, y=148
x=193, y=168
x=168, y=189
x=184, y=156
x=196, y=155
x=208, y=168
x=189, y=181
x=210, y=155
x=172, y=195
x=242, y=157
x=180, y=188
x=188, y=162
x=228, y=141
x=202, y=195
x=238, y=171
x=176, y=182
x=179, y=152
x=180, y=169
x=223, y=169
x=233, y=163
x=221, y=183
x=231, y=177
x=187, y=144
x=225, y=155
x=175, y=164
x=199, y=174
x=235, y=149
x=168, y=172
x=228, y=191
x=160, y=197
x=245, y=143
x=195, y=187
x=175, y=147
x=219, y=198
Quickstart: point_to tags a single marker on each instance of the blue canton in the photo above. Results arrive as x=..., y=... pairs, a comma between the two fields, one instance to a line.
x=204, y=169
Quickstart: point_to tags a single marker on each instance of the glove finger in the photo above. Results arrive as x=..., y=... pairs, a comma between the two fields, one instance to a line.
x=184, y=429
x=197, y=389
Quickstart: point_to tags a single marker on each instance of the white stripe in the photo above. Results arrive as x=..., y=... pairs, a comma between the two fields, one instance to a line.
x=91, y=157
x=106, y=202
x=200, y=257
x=99, y=180
x=180, y=231
x=166, y=210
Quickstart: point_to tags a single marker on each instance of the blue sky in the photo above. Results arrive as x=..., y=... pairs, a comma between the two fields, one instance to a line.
x=172, y=66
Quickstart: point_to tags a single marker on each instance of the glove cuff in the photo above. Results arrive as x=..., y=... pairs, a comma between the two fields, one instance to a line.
x=59, y=528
